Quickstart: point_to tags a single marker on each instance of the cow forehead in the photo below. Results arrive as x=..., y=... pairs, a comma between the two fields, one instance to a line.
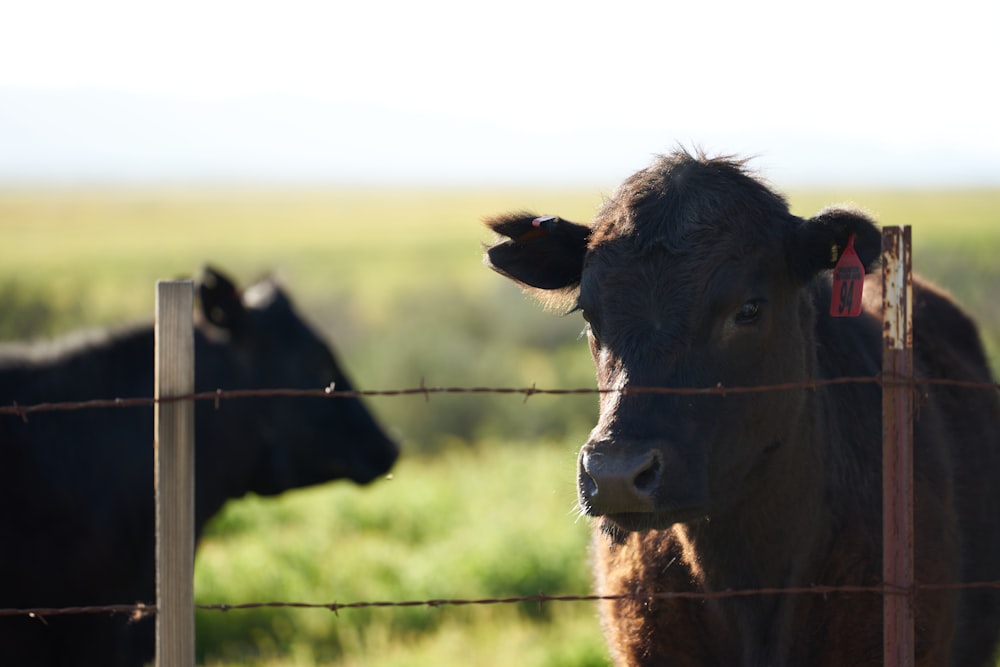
x=610, y=274
x=624, y=265
x=662, y=301
x=683, y=248
x=699, y=236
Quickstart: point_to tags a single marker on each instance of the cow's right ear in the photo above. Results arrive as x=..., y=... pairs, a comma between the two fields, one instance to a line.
x=542, y=253
x=221, y=302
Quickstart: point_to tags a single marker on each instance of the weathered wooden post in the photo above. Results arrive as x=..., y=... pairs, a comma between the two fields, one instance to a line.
x=174, y=474
x=897, y=448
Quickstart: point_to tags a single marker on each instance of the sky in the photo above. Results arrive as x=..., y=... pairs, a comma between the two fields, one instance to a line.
x=514, y=92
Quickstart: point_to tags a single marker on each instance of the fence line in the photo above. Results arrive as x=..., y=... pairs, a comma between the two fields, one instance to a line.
x=140, y=610
x=218, y=395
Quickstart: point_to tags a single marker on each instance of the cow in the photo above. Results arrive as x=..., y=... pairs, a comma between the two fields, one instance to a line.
x=76, y=487
x=694, y=274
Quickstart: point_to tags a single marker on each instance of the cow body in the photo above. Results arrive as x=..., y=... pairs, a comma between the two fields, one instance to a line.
x=695, y=274
x=77, y=486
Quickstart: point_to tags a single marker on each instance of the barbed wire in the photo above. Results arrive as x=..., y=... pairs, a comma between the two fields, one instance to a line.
x=218, y=395
x=140, y=610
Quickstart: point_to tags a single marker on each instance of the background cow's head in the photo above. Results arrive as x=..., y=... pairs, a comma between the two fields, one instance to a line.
x=256, y=340
x=692, y=274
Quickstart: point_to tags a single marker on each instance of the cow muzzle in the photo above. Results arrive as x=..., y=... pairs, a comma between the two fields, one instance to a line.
x=617, y=482
x=638, y=483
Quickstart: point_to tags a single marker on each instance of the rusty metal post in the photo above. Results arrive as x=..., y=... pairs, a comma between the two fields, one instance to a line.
x=897, y=448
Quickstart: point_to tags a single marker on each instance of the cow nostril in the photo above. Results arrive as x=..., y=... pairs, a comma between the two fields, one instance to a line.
x=645, y=480
x=588, y=485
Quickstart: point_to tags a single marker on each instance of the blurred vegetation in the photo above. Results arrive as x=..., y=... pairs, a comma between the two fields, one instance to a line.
x=394, y=278
x=465, y=525
x=32, y=312
x=481, y=504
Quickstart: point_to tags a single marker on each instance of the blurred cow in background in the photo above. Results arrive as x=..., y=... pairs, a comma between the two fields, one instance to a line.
x=76, y=487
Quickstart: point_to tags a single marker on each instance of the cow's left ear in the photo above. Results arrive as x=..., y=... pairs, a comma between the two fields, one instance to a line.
x=221, y=303
x=819, y=241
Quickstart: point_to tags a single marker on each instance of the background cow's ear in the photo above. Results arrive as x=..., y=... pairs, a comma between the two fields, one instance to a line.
x=820, y=240
x=221, y=303
x=542, y=253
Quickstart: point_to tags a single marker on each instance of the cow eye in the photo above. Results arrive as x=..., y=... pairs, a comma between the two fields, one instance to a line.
x=749, y=312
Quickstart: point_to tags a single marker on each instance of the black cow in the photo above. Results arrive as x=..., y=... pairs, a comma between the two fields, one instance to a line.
x=76, y=487
x=694, y=273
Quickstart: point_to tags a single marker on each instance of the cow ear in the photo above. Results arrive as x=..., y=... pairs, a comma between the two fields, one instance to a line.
x=544, y=254
x=221, y=303
x=820, y=240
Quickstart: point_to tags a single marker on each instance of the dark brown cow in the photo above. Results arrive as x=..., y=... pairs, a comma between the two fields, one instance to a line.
x=693, y=274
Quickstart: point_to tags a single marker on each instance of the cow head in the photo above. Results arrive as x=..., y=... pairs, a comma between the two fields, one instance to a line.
x=693, y=274
x=257, y=340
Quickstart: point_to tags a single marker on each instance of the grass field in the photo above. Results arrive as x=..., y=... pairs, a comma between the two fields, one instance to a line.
x=481, y=504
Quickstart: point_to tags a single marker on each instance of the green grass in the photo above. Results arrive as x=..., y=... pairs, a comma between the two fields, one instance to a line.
x=481, y=502
x=468, y=525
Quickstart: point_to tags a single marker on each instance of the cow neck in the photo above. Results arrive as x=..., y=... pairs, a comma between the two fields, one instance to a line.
x=781, y=512
x=765, y=541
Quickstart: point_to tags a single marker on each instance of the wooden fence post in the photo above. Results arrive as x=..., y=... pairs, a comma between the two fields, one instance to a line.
x=897, y=448
x=174, y=474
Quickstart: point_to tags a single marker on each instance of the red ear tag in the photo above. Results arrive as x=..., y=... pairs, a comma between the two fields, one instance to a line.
x=848, y=283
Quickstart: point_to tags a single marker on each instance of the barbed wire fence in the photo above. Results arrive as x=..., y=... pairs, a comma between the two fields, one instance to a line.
x=892, y=381
x=916, y=384
x=139, y=610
